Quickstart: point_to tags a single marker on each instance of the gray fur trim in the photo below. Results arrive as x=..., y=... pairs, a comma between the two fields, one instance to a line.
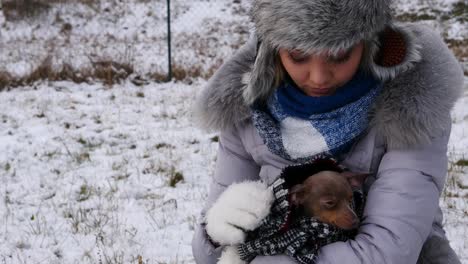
x=412, y=56
x=414, y=106
x=221, y=104
x=260, y=82
x=316, y=25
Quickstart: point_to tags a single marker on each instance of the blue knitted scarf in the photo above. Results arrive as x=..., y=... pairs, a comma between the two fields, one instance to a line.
x=298, y=127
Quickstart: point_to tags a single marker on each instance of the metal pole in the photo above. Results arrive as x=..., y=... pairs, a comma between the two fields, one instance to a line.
x=169, y=76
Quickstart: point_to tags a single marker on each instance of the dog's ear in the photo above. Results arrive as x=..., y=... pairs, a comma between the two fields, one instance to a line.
x=355, y=179
x=297, y=194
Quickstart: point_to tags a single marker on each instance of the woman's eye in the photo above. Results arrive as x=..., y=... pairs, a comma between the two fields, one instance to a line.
x=298, y=57
x=340, y=58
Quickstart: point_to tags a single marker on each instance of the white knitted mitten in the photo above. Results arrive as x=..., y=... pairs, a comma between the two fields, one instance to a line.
x=240, y=208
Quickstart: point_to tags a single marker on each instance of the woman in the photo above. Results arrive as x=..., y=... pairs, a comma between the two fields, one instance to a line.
x=340, y=78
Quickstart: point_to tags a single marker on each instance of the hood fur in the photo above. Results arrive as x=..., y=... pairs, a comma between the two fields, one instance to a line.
x=415, y=104
x=413, y=107
x=299, y=24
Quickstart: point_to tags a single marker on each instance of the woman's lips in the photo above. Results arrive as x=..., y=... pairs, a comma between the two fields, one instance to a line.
x=320, y=91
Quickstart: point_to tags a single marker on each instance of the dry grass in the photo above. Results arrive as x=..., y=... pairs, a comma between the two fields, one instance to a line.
x=458, y=12
x=181, y=73
x=462, y=163
x=5, y=79
x=158, y=77
x=21, y=9
x=108, y=72
x=111, y=72
x=46, y=71
x=15, y=10
x=185, y=74
x=459, y=48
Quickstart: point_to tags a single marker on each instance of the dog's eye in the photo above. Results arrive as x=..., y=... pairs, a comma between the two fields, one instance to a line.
x=329, y=204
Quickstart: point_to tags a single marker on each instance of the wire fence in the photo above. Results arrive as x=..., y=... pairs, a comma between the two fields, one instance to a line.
x=205, y=32
x=151, y=39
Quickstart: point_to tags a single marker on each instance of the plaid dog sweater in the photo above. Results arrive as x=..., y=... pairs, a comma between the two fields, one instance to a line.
x=285, y=231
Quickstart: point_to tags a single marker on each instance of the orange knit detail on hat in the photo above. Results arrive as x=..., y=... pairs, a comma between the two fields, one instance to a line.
x=393, y=49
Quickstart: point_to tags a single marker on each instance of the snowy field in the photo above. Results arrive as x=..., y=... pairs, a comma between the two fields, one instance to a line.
x=97, y=174
x=90, y=173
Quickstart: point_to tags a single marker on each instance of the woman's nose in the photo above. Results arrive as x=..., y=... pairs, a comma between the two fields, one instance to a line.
x=319, y=73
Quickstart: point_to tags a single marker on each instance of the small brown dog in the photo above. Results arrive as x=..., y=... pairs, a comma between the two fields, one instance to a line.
x=327, y=196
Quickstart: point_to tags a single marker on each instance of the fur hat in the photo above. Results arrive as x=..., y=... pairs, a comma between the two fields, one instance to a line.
x=310, y=26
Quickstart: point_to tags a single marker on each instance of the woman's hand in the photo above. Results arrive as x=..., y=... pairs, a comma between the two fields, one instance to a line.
x=240, y=208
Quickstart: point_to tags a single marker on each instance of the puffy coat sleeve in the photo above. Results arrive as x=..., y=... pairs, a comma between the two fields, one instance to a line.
x=234, y=164
x=400, y=208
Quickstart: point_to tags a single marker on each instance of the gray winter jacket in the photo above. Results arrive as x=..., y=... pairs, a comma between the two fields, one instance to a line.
x=404, y=150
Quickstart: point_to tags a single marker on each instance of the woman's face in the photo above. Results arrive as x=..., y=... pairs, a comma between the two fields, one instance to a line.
x=321, y=74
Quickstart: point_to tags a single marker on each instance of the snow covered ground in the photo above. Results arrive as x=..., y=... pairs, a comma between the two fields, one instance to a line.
x=97, y=174
x=90, y=173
